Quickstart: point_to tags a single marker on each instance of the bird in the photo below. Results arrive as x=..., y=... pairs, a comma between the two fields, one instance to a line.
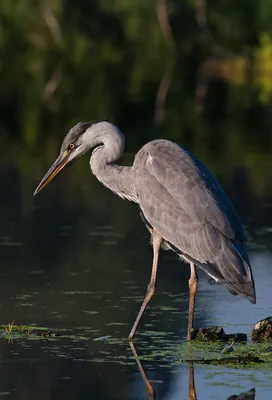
x=180, y=201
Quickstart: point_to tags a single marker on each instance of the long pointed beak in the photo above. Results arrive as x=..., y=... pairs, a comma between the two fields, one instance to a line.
x=58, y=165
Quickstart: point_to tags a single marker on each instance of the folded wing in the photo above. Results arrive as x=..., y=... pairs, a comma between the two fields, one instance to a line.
x=182, y=200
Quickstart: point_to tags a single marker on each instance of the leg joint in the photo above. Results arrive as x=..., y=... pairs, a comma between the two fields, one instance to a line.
x=193, y=281
x=151, y=288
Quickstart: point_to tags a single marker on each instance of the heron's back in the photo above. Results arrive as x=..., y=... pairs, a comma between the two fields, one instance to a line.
x=183, y=201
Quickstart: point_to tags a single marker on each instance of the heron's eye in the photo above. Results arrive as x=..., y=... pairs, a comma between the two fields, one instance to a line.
x=71, y=146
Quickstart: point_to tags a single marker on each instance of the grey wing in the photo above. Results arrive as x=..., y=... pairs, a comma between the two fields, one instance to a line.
x=182, y=200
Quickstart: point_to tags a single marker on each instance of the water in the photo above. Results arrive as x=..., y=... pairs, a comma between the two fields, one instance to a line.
x=76, y=259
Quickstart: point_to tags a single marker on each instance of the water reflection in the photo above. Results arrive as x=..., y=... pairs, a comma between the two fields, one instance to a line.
x=192, y=393
x=192, y=389
x=151, y=393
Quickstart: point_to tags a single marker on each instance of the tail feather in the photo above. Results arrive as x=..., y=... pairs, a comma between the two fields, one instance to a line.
x=230, y=266
x=247, y=291
x=234, y=266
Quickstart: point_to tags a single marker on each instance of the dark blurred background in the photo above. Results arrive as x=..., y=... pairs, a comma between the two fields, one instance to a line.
x=195, y=71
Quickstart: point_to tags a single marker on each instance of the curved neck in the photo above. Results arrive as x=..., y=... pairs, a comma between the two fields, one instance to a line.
x=115, y=177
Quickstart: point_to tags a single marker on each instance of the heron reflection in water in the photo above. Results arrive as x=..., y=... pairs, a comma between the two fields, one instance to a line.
x=192, y=392
x=180, y=201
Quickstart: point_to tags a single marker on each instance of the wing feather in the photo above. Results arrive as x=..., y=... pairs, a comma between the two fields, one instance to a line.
x=195, y=189
x=183, y=201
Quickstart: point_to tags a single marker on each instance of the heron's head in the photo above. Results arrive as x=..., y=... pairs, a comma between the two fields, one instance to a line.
x=81, y=138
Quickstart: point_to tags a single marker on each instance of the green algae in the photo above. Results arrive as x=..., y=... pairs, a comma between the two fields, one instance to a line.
x=155, y=347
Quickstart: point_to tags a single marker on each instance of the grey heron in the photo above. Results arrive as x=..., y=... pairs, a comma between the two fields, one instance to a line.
x=182, y=204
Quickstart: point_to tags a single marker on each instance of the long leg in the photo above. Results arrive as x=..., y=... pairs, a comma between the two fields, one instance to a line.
x=193, y=281
x=156, y=242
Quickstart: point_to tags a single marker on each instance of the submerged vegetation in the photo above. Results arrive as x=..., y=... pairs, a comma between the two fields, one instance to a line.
x=197, y=352
x=12, y=331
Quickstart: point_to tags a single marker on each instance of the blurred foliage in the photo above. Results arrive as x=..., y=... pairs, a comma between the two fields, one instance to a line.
x=198, y=72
